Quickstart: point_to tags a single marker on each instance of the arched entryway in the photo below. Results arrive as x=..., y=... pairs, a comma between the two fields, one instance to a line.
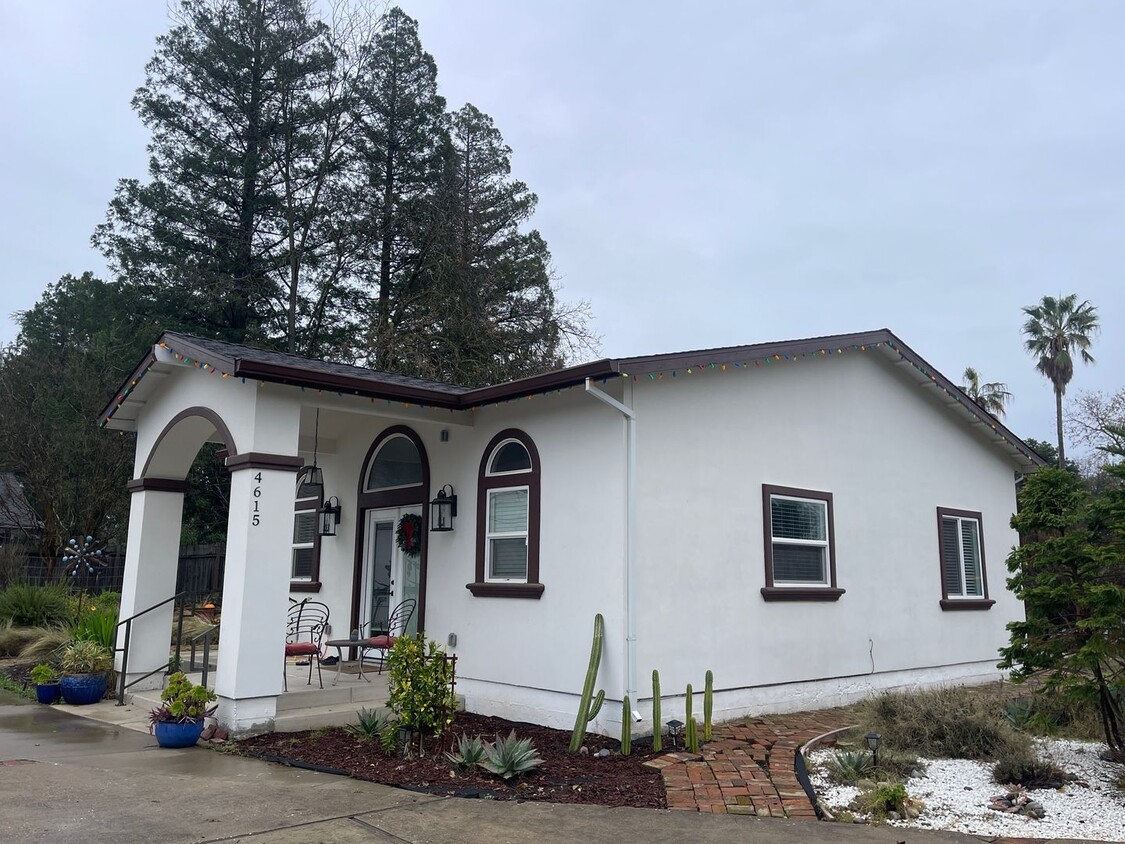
x=392, y=502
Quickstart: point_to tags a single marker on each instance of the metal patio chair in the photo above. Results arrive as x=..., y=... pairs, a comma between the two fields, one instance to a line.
x=397, y=623
x=304, y=635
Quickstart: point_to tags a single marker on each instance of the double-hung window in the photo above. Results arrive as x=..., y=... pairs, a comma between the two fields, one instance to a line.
x=508, y=519
x=964, y=584
x=305, y=563
x=799, y=544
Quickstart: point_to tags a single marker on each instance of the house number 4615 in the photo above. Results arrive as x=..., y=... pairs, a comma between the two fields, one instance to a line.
x=256, y=514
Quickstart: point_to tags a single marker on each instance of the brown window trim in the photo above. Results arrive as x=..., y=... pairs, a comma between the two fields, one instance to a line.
x=770, y=592
x=313, y=583
x=975, y=603
x=481, y=587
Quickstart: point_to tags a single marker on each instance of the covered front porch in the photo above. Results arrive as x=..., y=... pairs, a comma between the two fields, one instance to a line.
x=373, y=477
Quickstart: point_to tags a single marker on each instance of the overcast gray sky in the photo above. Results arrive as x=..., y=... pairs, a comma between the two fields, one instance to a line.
x=725, y=174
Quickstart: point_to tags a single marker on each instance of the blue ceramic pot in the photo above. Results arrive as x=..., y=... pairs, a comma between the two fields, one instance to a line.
x=83, y=689
x=177, y=733
x=47, y=692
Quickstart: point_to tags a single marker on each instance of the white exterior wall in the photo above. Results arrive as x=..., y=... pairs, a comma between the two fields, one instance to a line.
x=517, y=657
x=890, y=453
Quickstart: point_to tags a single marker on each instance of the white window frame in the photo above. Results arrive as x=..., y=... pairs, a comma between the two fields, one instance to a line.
x=301, y=546
x=489, y=535
x=964, y=596
x=815, y=543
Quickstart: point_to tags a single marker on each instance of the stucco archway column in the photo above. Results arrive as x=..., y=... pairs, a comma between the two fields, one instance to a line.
x=248, y=678
x=151, y=558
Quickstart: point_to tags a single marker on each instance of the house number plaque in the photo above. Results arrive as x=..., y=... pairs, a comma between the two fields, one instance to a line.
x=256, y=513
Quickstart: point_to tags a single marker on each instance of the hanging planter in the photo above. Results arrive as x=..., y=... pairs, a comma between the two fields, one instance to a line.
x=408, y=535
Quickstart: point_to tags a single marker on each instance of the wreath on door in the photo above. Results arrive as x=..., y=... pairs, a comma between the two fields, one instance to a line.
x=408, y=535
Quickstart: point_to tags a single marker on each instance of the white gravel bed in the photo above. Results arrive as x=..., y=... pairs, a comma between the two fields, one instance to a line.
x=956, y=793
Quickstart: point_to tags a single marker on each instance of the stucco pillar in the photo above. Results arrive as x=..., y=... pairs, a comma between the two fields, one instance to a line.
x=151, y=559
x=248, y=677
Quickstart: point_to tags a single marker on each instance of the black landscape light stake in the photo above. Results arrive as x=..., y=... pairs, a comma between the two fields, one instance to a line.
x=873, y=740
x=675, y=728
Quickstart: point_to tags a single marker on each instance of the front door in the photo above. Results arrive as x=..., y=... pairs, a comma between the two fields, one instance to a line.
x=390, y=575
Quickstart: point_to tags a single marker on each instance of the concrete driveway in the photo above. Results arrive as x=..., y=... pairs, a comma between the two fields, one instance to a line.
x=69, y=779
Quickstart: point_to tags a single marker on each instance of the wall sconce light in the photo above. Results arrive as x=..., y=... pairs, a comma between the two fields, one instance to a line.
x=443, y=509
x=329, y=516
x=873, y=740
x=675, y=729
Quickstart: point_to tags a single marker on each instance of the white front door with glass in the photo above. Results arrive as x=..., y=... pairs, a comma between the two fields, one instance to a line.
x=390, y=574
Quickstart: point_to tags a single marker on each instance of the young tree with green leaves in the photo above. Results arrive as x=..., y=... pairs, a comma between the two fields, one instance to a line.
x=1069, y=571
x=1055, y=329
x=992, y=396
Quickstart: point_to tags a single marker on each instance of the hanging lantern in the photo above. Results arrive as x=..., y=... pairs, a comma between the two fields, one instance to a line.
x=443, y=509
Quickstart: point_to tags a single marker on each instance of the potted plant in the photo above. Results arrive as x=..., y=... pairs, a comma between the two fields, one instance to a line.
x=46, y=680
x=178, y=721
x=84, y=667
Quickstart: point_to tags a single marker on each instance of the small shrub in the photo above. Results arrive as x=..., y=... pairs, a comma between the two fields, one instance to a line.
x=949, y=723
x=849, y=766
x=86, y=658
x=14, y=639
x=897, y=765
x=883, y=798
x=1029, y=771
x=181, y=700
x=470, y=751
x=43, y=674
x=510, y=757
x=421, y=692
x=36, y=606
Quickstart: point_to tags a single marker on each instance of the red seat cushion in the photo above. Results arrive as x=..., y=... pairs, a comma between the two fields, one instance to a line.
x=383, y=641
x=301, y=649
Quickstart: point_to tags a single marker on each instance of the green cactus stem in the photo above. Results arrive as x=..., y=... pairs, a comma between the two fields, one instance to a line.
x=692, y=742
x=657, y=734
x=626, y=727
x=588, y=710
x=708, y=704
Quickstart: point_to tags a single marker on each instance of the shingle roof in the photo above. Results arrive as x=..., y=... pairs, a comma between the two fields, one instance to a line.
x=280, y=367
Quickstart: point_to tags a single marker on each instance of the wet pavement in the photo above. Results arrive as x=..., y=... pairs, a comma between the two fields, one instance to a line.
x=68, y=779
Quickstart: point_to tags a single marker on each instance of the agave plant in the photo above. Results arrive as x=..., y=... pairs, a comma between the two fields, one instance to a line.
x=510, y=757
x=470, y=751
x=849, y=766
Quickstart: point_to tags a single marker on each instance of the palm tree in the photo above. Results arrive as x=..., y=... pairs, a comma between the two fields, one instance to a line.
x=991, y=396
x=1056, y=328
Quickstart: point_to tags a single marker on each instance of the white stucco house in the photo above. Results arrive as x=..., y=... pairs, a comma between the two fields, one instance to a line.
x=811, y=520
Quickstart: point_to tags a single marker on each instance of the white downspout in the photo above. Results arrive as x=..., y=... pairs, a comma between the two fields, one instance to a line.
x=630, y=531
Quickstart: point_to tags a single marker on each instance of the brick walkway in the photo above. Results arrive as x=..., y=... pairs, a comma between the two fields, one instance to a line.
x=747, y=767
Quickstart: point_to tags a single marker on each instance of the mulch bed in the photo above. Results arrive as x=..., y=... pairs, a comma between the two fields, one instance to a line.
x=564, y=777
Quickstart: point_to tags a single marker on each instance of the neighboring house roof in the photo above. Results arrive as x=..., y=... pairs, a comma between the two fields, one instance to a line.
x=15, y=511
x=234, y=360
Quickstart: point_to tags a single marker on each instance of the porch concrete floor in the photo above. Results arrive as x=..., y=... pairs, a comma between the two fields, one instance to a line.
x=303, y=707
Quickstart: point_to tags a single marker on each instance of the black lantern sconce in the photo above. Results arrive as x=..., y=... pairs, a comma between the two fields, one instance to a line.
x=873, y=740
x=675, y=730
x=443, y=509
x=329, y=516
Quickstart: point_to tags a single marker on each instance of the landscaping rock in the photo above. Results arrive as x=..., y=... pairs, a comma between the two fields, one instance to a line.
x=1017, y=802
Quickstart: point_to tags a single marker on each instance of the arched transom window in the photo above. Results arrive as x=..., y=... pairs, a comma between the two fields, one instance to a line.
x=508, y=518
x=398, y=464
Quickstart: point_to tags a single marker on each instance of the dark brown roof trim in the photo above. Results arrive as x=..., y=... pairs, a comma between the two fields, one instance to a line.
x=260, y=460
x=384, y=386
x=156, y=485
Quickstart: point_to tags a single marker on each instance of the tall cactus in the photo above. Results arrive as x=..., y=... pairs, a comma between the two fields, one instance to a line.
x=626, y=727
x=588, y=710
x=689, y=727
x=657, y=735
x=692, y=742
x=708, y=704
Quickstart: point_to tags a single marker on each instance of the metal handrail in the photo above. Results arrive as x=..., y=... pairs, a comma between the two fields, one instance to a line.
x=124, y=649
x=193, y=641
